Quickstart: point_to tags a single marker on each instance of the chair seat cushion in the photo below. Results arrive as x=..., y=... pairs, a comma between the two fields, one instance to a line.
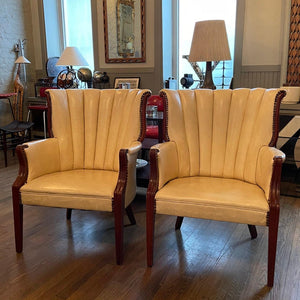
x=213, y=198
x=78, y=189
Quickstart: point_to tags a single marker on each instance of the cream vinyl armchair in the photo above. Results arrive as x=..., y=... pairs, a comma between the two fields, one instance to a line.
x=89, y=162
x=219, y=161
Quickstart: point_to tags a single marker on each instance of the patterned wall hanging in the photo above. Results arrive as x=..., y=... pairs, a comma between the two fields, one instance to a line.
x=293, y=70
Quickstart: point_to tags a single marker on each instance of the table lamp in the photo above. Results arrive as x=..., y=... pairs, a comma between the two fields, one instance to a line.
x=70, y=57
x=209, y=44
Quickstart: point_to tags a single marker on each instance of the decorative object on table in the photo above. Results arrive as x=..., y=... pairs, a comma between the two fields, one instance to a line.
x=124, y=31
x=171, y=83
x=209, y=44
x=85, y=75
x=140, y=163
x=127, y=82
x=100, y=80
x=187, y=80
x=70, y=57
x=52, y=71
x=292, y=94
x=17, y=131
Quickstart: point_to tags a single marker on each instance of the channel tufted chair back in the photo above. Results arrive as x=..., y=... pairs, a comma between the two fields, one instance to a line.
x=219, y=161
x=92, y=125
x=220, y=133
x=89, y=161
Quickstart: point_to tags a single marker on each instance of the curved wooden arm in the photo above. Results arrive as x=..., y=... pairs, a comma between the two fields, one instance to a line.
x=274, y=197
x=23, y=169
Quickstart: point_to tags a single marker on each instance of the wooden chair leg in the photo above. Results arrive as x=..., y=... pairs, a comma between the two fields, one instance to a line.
x=119, y=229
x=18, y=223
x=273, y=232
x=130, y=214
x=150, y=231
x=253, y=231
x=69, y=213
x=179, y=221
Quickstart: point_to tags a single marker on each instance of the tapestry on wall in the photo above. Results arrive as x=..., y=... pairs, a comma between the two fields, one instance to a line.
x=293, y=71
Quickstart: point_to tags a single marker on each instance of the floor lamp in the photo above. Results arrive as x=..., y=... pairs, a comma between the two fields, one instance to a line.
x=209, y=44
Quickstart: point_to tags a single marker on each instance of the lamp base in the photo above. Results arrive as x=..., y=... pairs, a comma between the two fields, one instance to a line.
x=208, y=81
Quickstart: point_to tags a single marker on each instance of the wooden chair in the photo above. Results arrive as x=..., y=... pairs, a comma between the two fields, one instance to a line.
x=17, y=131
x=219, y=161
x=89, y=162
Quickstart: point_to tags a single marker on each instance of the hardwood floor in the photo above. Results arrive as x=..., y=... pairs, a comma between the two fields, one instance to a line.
x=204, y=260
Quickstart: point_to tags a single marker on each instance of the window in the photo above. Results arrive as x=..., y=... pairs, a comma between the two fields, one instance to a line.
x=77, y=22
x=191, y=11
x=69, y=23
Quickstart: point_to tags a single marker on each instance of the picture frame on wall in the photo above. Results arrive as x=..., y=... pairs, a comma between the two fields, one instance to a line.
x=124, y=31
x=127, y=83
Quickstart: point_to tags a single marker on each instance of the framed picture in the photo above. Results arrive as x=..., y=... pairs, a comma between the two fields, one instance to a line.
x=127, y=83
x=124, y=31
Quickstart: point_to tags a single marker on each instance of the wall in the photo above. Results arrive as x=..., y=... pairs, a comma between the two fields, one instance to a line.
x=15, y=24
x=261, y=43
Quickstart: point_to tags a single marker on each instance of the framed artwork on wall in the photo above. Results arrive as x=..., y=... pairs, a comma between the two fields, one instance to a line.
x=127, y=83
x=124, y=31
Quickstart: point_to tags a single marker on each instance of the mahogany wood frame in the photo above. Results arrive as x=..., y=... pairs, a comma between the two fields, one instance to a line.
x=118, y=201
x=274, y=205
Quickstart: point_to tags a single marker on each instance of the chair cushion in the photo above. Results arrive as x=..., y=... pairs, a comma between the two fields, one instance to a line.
x=157, y=101
x=152, y=131
x=78, y=189
x=213, y=198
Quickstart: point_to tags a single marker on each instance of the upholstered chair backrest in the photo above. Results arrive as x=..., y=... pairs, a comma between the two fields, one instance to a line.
x=220, y=133
x=92, y=125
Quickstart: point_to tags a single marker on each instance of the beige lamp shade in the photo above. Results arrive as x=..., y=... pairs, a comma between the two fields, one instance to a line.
x=209, y=42
x=22, y=60
x=71, y=57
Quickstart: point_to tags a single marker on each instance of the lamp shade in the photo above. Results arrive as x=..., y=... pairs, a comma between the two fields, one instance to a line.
x=209, y=42
x=22, y=60
x=71, y=57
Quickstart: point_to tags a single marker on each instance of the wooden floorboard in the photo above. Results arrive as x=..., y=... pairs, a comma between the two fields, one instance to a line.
x=204, y=260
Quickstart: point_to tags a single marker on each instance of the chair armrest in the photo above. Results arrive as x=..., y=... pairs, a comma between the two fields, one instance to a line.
x=167, y=163
x=127, y=171
x=268, y=172
x=135, y=147
x=42, y=157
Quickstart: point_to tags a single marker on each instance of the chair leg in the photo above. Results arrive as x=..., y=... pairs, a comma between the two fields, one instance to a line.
x=119, y=229
x=69, y=213
x=273, y=232
x=179, y=221
x=253, y=232
x=150, y=231
x=18, y=223
x=130, y=214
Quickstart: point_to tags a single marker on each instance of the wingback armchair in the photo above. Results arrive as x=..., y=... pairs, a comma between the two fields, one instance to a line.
x=219, y=161
x=89, y=162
